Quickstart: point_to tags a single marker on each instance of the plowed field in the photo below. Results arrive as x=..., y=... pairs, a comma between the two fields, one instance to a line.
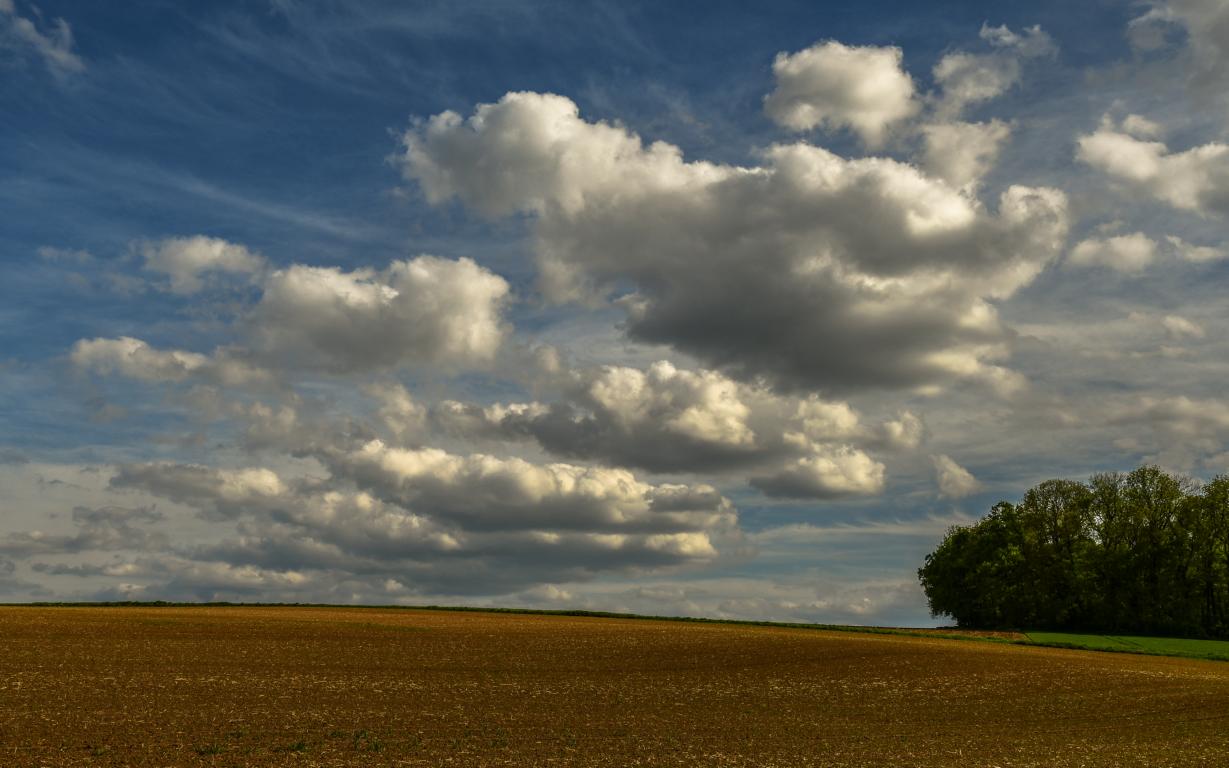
x=325, y=686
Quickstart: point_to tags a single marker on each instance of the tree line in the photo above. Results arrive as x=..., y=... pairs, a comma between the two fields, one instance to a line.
x=1140, y=552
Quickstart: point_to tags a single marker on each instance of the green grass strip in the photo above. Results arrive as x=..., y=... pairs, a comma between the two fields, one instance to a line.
x=1217, y=650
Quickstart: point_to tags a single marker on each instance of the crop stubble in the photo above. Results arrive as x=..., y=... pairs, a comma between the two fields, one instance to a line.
x=231, y=686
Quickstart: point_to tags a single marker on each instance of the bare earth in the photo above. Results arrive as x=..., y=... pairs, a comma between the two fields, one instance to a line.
x=324, y=687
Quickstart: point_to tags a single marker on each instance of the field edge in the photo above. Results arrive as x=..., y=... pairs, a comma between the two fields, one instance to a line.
x=1114, y=645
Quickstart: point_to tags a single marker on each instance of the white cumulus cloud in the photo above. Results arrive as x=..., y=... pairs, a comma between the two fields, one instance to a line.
x=186, y=260
x=954, y=480
x=970, y=78
x=486, y=492
x=825, y=474
x=1196, y=179
x=831, y=85
x=666, y=419
x=961, y=153
x=135, y=359
x=1124, y=253
x=422, y=310
x=812, y=269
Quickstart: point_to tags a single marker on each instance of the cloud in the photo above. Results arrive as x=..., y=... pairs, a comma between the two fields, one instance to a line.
x=969, y=78
x=1149, y=31
x=1135, y=252
x=433, y=521
x=65, y=255
x=786, y=290
x=1207, y=22
x=1183, y=432
x=825, y=474
x=1178, y=416
x=101, y=529
x=882, y=600
x=666, y=419
x=186, y=259
x=833, y=86
x=906, y=432
x=1179, y=327
x=961, y=153
x=221, y=493
x=321, y=541
x=954, y=481
x=53, y=46
x=1197, y=254
x=1141, y=127
x=279, y=426
x=1196, y=179
x=13, y=456
x=176, y=577
x=490, y=493
x=136, y=359
x=811, y=269
x=424, y=310
x=1124, y=253
x=399, y=413
x=1207, y=25
x=661, y=418
x=931, y=527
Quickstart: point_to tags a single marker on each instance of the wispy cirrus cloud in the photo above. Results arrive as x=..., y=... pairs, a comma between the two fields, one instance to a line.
x=50, y=42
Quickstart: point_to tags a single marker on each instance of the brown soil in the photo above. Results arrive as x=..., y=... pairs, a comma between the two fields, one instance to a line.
x=327, y=687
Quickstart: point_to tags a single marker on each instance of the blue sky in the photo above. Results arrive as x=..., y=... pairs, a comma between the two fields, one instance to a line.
x=710, y=309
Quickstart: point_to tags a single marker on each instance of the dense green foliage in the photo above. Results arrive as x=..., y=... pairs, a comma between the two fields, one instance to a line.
x=1143, y=552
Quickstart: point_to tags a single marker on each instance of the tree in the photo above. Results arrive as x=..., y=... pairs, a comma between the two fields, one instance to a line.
x=1056, y=517
x=1214, y=557
x=1144, y=551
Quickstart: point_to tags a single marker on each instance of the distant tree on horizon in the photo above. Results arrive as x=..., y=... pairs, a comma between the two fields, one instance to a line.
x=1143, y=552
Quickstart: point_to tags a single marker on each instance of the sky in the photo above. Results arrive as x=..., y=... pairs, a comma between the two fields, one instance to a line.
x=711, y=309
